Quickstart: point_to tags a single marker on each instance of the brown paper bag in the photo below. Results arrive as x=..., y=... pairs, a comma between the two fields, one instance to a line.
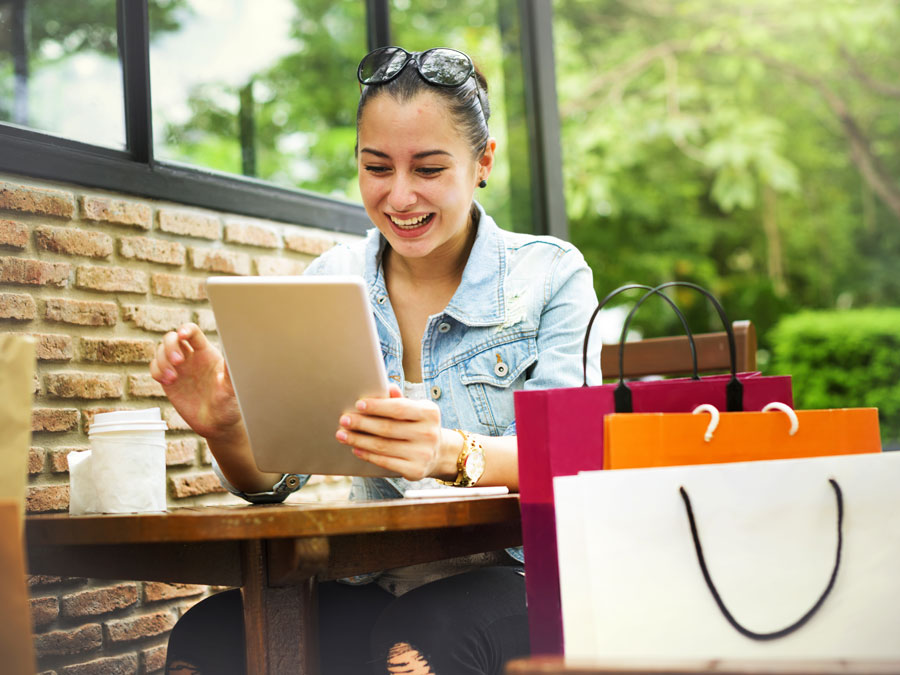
x=17, y=356
x=15, y=637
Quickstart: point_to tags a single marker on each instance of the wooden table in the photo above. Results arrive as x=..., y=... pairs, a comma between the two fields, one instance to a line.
x=557, y=665
x=276, y=553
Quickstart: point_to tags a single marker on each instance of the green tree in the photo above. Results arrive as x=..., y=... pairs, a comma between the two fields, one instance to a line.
x=748, y=146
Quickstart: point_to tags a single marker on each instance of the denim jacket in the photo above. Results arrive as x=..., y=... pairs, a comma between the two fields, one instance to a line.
x=517, y=321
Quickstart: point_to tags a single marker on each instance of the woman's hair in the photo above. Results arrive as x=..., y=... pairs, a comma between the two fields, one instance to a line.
x=467, y=103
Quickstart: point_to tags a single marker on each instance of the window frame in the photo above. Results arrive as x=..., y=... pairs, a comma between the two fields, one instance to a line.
x=135, y=171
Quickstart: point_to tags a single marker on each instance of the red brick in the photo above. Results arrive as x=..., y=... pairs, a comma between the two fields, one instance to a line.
x=97, y=601
x=126, y=630
x=174, y=420
x=44, y=611
x=144, y=386
x=267, y=266
x=116, y=211
x=152, y=250
x=36, y=460
x=220, y=260
x=206, y=456
x=117, y=350
x=70, y=241
x=88, y=414
x=18, y=307
x=178, y=287
x=206, y=320
x=182, y=452
x=153, y=660
x=54, y=419
x=36, y=200
x=74, y=641
x=81, y=312
x=35, y=385
x=155, y=318
x=311, y=244
x=51, y=347
x=84, y=385
x=35, y=580
x=154, y=591
x=41, y=498
x=189, y=223
x=34, y=272
x=111, y=279
x=238, y=232
x=124, y=664
x=59, y=457
x=13, y=234
x=193, y=485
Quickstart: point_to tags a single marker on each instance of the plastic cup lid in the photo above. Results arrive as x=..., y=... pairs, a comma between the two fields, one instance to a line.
x=149, y=419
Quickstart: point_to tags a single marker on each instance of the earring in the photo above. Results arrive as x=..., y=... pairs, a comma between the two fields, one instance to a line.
x=482, y=184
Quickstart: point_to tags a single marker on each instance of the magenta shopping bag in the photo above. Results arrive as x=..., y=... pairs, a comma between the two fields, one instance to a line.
x=560, y=432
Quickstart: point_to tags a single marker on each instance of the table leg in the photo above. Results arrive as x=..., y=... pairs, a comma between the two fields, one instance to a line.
x=280, y=623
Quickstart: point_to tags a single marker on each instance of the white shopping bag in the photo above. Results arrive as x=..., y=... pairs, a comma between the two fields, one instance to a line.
x=771, y=540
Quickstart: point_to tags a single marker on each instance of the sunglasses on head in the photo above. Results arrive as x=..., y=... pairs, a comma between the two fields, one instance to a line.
x=440, y=66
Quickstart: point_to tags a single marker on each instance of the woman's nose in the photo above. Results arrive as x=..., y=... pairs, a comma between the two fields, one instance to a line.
x=402, y=194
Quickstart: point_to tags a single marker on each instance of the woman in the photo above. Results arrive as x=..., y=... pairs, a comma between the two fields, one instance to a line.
x=466, y=314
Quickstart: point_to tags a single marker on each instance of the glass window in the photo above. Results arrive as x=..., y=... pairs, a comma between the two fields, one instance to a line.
x=488, y=31
x=60, y=71
x=262, y=89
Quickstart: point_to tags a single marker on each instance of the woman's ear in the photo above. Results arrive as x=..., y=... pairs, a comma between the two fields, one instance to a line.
x=486, y=161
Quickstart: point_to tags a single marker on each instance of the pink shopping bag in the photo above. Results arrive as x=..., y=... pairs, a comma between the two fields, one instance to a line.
x=560, y=432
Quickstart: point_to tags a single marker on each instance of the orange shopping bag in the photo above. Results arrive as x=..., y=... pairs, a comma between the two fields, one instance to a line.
x=706, y=436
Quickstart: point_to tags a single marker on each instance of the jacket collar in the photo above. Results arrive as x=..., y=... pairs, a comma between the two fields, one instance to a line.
x=480, y=298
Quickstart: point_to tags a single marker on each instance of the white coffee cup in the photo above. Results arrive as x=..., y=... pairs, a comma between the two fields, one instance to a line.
x=128, y=463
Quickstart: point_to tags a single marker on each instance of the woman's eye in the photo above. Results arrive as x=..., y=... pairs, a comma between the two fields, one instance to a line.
x=431, y=170
x=377, y=169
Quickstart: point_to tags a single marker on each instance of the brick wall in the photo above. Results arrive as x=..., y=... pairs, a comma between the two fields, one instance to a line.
x=97, y=278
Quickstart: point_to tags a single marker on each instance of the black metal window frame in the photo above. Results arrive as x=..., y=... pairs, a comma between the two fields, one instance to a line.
x=134, y=171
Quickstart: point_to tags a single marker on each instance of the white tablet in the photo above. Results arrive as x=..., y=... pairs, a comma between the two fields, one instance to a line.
x=301, y=351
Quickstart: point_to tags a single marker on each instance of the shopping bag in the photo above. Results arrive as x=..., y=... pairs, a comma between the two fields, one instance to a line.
x=778, y=559
x=560, y=432
x=634, y=441
x=17, y=365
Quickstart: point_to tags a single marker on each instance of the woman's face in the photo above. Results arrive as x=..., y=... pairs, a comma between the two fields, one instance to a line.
x=417, y=174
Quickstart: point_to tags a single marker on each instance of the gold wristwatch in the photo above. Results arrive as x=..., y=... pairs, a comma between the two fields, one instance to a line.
x=469, y=464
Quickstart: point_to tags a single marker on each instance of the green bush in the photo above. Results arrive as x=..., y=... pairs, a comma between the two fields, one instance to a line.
x=841, y=359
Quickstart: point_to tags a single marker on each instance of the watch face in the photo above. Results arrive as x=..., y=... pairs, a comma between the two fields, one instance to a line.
x=474, y=465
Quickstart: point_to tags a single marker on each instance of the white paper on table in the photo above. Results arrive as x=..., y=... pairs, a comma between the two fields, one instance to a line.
x=82, y=493
x=768, y=531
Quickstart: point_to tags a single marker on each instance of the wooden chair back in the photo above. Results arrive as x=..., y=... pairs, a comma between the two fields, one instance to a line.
x=16, y=646
x=672, y=355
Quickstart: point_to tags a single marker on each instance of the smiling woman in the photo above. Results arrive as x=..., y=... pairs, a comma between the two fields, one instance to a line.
x=467, y=314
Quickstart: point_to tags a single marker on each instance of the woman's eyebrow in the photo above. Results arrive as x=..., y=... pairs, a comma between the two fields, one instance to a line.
x=418, y=155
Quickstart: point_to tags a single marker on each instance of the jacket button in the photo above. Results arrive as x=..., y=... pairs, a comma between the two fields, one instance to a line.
x=443, y=327
x=435, y=393
x=501, y=369
x=381, y=298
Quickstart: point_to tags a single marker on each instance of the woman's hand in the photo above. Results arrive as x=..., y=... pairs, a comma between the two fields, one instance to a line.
x=194, y=376
x=401, y=435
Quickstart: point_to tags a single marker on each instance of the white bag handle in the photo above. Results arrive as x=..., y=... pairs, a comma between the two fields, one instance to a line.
x=774, y=405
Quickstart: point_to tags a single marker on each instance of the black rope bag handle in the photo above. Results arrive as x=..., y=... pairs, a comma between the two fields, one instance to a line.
x=734, y=390
x=605, y=301
x=774, y=635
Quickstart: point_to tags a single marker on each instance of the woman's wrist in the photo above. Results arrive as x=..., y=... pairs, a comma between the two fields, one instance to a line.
x=451, y=446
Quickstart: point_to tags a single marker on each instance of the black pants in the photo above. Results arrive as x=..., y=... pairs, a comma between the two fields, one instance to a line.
x=471, y=623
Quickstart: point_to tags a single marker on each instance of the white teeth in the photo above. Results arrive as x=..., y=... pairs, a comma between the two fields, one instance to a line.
x=412, y=222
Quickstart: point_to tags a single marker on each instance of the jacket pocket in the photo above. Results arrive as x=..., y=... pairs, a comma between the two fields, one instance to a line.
x=490, y=377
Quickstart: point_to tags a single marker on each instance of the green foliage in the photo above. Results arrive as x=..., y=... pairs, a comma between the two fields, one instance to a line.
x=843, y=359
x=725, y=143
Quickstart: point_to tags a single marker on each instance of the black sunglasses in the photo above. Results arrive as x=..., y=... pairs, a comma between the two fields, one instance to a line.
x=441, y=66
